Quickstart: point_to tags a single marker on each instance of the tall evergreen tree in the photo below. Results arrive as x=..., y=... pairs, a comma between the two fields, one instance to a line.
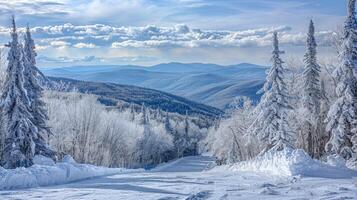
x=311, y=74
x=271, y=124
x=34, y=93
x=342, y=116
x=311, y=99
x=20, y=132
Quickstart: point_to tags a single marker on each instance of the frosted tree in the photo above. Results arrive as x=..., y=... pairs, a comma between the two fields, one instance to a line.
x=168, y=127
x=19, y=130
x=187, y=125
x=311, y=99
x=132, y=112
x=229, y=142
x=144, y=116
x=271, y=124
x=34, y=93
x=342, y=116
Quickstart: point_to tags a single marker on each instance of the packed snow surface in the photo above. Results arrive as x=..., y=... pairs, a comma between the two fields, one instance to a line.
x=45, y=172
x=191, y=179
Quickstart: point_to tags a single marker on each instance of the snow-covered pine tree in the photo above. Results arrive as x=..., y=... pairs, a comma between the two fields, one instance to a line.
x=342, y=116
x=271, y=124
x=311, y=99
x=34, y=93
x=20, y=132
x=168, y=127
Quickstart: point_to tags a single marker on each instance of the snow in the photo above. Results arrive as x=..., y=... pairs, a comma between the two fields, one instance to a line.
x=190, y=179
x=45, y=172
x=291, y=162
x=42, y=160
x=187, y=164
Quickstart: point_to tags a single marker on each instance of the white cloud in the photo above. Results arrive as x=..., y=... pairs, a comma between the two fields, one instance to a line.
x=59, y=44
x=34, y=7
x=91, y=59
x=82, y=45
x=40, y=48
x=99, y=35
x=66, y=59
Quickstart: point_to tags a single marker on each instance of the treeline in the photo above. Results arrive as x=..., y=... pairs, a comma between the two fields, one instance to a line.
x=96, y=134
x=312, y=106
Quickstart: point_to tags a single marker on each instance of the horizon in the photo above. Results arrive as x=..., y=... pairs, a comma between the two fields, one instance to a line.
x=150, y=66
x=71, y=33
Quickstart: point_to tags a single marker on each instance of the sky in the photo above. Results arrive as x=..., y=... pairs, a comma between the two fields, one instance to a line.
x=148, y=32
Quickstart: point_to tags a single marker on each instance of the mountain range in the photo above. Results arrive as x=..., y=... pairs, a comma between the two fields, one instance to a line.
x=111, y=94
x=210, y=84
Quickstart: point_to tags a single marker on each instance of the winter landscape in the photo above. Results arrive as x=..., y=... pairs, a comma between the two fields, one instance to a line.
x=142, y=99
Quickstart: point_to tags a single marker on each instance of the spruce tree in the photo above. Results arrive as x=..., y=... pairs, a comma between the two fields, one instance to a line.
x=271, y=124
x=342, y=116
x=19, y=130
x=34, y=93
x=311, y=99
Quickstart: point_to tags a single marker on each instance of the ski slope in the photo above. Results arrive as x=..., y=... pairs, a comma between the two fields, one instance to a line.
x=190, y=179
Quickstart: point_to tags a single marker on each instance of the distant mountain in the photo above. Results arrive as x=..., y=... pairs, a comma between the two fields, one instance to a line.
x=209, y=84
x=184, y=68
x=111, y=94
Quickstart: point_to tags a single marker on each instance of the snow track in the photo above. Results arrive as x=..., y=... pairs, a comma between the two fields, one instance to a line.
x=187, y=164
x=189, y=179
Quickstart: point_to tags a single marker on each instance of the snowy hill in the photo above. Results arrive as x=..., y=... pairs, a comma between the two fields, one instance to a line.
x=210, y=84
x=110, y=94
x=189, y=178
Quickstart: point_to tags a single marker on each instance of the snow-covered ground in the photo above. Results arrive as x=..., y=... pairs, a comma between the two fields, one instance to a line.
x=189, y=179
x=45, y=173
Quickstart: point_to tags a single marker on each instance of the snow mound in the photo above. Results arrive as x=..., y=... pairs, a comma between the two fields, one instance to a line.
x=45, y=173
x=43, y=160
x=291, y=162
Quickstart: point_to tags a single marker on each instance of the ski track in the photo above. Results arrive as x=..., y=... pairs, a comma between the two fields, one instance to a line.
x=190, y=179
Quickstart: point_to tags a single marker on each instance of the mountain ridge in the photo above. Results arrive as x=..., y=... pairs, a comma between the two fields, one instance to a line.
x=193, y=81
x=112, y=94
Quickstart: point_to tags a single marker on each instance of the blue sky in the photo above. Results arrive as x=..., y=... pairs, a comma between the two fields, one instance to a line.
x=147, y=32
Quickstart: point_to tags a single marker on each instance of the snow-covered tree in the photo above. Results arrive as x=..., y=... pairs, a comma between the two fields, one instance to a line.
x=342, y=116
x=34, y=93
x=271, y=124
x=311, y=99
x=229, y=141
x=144, y=116
x=168, y=124
x=132, y=112
x=19, y=130
x=187, y=125
x=311, y=74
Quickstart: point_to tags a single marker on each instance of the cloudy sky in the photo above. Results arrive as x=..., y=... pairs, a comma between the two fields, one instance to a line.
x=146, y=32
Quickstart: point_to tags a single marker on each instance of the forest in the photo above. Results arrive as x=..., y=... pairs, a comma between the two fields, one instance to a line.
x=307, y=103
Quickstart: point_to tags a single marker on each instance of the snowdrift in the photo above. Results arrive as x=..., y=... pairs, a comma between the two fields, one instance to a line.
x=45, y=172
x=291, y=162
